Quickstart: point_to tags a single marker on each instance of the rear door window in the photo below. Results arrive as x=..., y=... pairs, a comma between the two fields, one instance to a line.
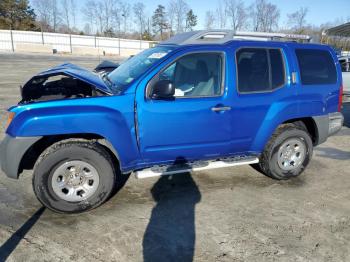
x=316, y=67
x=260, y=69
x=277, y=68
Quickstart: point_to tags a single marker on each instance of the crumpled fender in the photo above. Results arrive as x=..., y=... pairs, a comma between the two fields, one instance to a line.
x=111, y=117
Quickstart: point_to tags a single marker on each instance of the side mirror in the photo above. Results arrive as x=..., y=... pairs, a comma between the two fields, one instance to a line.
x=163, y=89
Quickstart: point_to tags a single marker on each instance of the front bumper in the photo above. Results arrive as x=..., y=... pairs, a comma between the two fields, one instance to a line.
x=12, y=150
x=328, y=125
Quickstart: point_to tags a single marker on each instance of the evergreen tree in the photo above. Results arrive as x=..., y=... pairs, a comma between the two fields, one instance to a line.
x=16, y=15
x=191, y=20
x=147, y=36
x=159, y=21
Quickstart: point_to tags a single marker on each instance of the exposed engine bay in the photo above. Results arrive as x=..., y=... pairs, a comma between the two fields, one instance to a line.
x=56, y=86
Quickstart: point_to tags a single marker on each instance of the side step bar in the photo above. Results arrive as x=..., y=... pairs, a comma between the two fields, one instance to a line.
x=194, y=166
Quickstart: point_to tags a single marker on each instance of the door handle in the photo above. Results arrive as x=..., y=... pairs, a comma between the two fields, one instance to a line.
x=220, y=108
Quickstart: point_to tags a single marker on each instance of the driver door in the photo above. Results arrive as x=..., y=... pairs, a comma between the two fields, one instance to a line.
x=195, y=124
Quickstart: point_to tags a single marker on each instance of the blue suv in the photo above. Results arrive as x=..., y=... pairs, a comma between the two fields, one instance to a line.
x=200, y=100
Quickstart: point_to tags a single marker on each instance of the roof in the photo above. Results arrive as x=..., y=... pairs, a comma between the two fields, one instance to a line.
x=224, y=36
x=340, y=30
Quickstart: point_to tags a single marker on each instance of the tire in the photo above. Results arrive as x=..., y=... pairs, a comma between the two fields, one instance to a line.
x=74, y=176
x=287, y=154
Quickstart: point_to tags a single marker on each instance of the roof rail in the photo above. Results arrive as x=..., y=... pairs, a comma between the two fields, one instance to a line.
x=223, y=36
x=271, y=36
x=201, y=37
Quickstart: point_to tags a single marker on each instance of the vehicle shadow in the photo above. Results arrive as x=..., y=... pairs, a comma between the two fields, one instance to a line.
x=332, y=153
x=10, y=245
x=170, y=234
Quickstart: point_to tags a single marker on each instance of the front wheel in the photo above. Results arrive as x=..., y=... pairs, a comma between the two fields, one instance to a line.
x=74, y=176
x=287, y=153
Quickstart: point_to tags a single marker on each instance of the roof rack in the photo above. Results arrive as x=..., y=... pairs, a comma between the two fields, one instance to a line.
x=271, y=36
x=223, y=36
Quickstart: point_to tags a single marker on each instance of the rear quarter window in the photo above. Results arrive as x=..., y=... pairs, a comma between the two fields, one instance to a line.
x=316, y=67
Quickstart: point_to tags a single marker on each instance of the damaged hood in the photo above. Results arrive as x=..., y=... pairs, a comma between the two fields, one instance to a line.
x=79, y=73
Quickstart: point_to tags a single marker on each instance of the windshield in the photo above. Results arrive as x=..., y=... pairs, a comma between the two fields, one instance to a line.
x=136, y=66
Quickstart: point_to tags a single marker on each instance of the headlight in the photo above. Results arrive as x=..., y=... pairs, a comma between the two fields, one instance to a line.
x=10, y=117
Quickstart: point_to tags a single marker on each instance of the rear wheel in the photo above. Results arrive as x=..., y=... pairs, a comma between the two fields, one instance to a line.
x=287, y=153
x=74, y=176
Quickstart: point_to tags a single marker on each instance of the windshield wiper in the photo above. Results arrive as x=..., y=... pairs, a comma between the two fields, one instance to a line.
x=106, y=79
x=112, y=86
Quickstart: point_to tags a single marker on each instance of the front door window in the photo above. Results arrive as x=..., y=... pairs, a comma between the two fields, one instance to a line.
x=195, y=75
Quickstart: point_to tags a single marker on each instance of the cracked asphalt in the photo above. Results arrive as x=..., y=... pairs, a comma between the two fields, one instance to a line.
x=231, y=214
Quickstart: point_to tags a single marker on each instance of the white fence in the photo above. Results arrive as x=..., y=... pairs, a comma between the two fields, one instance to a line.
x=28, y=41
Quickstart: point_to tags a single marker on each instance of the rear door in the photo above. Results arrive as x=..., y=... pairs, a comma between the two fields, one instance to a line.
x=264, y=94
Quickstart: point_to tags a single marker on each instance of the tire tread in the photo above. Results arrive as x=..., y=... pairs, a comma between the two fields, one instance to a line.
x=83, y=143
x=263, y=164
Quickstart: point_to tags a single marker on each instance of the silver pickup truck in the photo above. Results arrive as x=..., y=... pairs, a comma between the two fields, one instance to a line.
x=345, y=66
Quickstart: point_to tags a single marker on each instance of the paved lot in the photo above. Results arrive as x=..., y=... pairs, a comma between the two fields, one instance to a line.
x=232, y=214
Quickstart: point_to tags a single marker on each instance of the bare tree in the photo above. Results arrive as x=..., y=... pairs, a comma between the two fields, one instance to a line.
x=264, y=15
x=272, y=17
x=42, y=8
x=73, y=9
x=55, y=14
x=99, y=16
x=94, y=13
x=236, y=14
x=89, y=13
x=66, y=13
x=117, y=15
x=49, y=14
x=221, y=15
x=297, y=20
x=139, y=11
x=126, y=10
x=209, y=20
x=256, y=13
x=87, y=29
x=171, y=17
x=180, y=9
x=108, y=7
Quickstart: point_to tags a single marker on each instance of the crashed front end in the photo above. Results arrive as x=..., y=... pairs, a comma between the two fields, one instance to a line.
x=63, y=82
x=66, y=81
